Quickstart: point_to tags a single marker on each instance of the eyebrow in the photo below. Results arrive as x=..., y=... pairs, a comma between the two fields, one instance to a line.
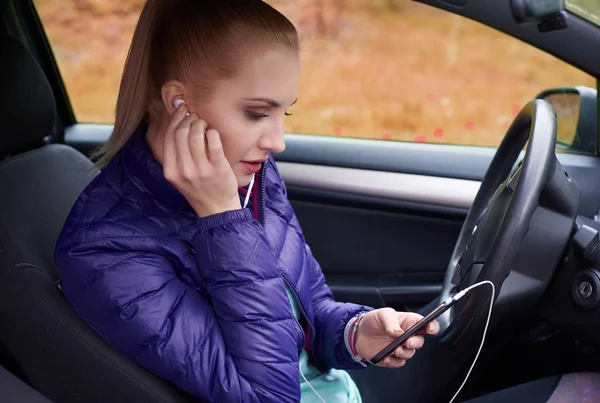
x=268, y=101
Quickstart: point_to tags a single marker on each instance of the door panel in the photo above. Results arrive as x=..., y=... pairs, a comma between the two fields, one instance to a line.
x=380, y=257
x=371, y=253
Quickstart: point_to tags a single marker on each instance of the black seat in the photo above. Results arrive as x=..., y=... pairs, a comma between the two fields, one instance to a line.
x=14, y=390
x=52, y=348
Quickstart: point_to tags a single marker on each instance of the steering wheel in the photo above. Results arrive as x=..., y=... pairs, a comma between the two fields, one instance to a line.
x=499, y=219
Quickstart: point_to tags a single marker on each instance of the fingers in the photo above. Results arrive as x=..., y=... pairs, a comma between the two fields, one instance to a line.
x=169, y=147
x=408, y=350
x=404, y=353
x=209, y=188
x=415, y=342
x=188, y=146
x=197, y=143
x=178, y=116
x=215, y=147
x=394, y=324
x=185, y=162
x=392, y=362
x=408, y=319
x=389, y=319
x=433, y=327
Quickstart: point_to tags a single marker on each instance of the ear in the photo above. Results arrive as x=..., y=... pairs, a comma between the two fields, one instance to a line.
x=171, y=91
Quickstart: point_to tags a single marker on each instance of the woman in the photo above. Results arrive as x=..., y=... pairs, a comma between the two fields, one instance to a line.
x=184, y=252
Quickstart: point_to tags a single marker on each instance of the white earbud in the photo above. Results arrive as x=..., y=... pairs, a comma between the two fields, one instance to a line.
x=178, y=102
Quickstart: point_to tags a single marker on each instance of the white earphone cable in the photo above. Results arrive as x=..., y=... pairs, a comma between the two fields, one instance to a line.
x=487, y=323
x=313, y=389
x=249, y=191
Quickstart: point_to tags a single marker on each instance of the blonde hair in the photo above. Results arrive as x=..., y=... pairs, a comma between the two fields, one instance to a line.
x=193, y=41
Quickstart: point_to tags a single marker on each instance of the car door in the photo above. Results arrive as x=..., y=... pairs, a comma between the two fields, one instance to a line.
x=401, y=107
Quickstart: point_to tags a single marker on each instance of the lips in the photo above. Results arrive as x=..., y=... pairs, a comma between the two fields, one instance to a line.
x=252, y=167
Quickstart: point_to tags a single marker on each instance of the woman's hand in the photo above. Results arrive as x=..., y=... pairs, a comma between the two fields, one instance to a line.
x=194, y=163
x=380, y=327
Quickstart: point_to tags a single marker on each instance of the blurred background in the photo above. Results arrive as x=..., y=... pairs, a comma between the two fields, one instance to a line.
x=380, y=69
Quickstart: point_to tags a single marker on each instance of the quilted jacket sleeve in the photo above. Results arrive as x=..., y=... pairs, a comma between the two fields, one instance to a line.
x=227, y=347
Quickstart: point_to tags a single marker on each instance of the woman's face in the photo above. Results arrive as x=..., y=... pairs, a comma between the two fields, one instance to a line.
x=249, y=109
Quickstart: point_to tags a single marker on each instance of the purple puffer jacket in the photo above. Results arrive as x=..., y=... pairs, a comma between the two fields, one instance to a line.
x=200, y=302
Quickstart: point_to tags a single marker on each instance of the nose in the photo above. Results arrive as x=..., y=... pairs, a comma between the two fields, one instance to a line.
x=273, y=139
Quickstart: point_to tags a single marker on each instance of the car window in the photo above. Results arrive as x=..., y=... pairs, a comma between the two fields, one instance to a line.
x=588, y=9
x=392, y=70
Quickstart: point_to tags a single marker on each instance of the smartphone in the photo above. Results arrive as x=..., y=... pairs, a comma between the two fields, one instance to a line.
x=416, y=328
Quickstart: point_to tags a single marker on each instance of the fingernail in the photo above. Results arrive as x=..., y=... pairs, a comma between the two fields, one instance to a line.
x=397, y=330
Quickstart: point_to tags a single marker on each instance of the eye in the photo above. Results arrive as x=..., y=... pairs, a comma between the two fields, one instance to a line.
x=256, y=116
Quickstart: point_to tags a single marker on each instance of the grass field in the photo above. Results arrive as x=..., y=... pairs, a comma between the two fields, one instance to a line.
x=393, y=70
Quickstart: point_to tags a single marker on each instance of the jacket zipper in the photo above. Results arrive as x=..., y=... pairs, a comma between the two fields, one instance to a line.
x=312, y=335
x=262, y=181
x=310, y=324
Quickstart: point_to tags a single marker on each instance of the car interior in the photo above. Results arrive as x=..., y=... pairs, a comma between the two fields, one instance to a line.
x=383, y=219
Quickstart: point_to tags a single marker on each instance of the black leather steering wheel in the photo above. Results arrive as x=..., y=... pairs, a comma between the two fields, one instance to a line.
x=516, y=235
x=499, y=219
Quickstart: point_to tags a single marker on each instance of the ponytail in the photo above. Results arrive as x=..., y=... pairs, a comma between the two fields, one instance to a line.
x=132, y=102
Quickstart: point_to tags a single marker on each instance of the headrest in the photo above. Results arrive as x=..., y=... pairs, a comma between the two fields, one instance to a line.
x=27, y=108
